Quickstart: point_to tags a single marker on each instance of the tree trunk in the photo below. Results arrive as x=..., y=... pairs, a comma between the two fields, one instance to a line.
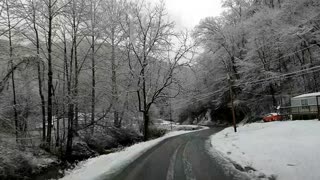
x=93, y=88
x=76, y=84
x=43, y=105
x=114, y=81
x=145, y=106
x=40, y=77
x=16, y=121
x=66, y=86
x=146, y=126
x=70, y=108
x=70, y=111
x=76, y=71
x=72, y=93
x=93, y=70
x=70, y=131
x=271, y=3
x=274, y=101
x=124, y=108
x=234, y=68
x=58, y=132
x=50, y=73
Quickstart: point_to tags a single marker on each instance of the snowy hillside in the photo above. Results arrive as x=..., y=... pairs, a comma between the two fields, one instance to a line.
x=290, y=150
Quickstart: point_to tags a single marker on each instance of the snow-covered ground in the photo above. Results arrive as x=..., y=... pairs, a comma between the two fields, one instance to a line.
x=17, y=162
x=173, y=126
x=290, y=150
x=106, y=165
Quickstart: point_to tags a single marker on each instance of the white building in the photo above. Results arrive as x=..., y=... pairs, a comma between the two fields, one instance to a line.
x=306, y=106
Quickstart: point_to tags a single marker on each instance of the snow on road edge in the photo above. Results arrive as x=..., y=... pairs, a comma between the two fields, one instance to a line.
x=109, y=164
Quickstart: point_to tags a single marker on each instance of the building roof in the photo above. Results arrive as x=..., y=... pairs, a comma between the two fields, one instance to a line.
x=308, y=95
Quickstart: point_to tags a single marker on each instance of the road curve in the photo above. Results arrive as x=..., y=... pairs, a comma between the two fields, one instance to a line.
x=179, y=158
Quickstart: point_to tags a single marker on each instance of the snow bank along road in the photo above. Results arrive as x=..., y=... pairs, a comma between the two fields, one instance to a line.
x=290, y=149
x=183, y=157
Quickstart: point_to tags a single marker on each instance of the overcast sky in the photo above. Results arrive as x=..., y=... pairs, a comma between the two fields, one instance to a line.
x=188, y=13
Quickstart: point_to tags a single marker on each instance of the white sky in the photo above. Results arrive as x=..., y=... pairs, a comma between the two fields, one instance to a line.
x=188, y=13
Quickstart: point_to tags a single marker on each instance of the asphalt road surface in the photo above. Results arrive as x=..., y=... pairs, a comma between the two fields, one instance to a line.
x=179, y=158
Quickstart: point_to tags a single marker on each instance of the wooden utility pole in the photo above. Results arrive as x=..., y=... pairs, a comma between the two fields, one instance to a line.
x=317, y=97
x=170, y=114
x=232, y=106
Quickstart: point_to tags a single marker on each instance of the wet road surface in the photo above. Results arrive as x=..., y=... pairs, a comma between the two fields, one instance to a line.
x=184, y=157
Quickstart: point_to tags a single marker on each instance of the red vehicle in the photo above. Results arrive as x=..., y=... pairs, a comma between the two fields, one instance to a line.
x=272, y=117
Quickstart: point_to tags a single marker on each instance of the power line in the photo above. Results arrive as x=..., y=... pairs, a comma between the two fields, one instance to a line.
x=287, y=75
x=258, y=94
x=289, y=54
x=198, y=99
x=292, y=74
x=199, y=96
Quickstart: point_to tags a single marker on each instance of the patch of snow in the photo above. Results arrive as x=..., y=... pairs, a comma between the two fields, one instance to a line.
x=308, y=95
x=168, y=125
x=288, y=149
x=107, y=165
x=189, y=127
x=273, y=114
x=166, y=122
x=41, y=162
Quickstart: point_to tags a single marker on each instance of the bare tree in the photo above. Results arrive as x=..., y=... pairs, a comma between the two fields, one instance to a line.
x=158, y=59
x=9, y=20
x=115, y=13
x=30, y=13
x=52, y=8
x=92, y=26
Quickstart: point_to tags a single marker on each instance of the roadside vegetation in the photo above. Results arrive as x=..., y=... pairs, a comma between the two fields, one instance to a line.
x=267, y=51
x=80, y=78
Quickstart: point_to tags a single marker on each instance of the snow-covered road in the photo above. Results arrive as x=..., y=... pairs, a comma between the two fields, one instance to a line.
x=290, y=150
